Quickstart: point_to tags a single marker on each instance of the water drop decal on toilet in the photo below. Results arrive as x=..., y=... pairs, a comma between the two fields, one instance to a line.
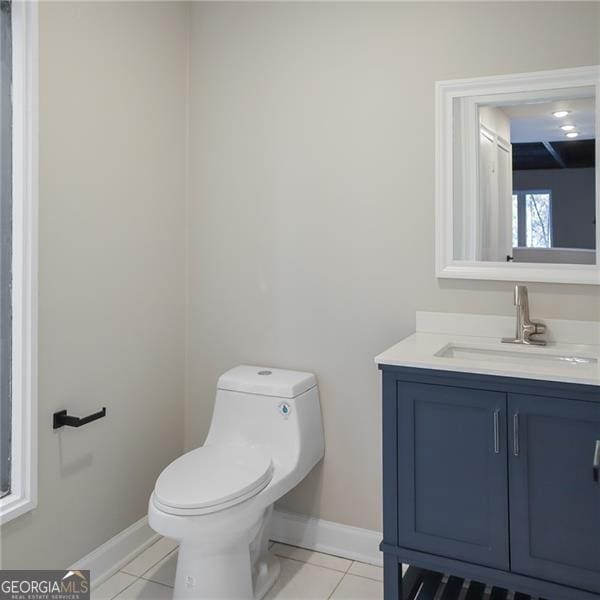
x=265, y=372
x=285, y=409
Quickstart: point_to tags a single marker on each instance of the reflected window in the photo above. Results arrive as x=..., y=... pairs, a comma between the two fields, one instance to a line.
x=532, y=219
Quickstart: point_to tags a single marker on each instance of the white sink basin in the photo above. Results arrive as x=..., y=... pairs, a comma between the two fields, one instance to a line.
x=528, y=355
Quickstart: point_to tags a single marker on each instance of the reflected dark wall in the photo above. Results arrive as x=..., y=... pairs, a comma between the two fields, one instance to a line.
x=573, y=203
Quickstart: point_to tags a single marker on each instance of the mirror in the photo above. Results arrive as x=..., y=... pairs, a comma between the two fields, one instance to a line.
x=517, y=194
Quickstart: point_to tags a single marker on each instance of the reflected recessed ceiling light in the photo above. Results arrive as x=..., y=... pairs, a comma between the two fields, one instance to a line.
x=559, y=114
x=567, y=127
x=572, y=134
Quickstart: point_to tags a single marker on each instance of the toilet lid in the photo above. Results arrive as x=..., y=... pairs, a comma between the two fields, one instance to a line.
x=213, y=475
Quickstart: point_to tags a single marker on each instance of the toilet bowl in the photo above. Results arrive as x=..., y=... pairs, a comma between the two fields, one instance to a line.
x=265, y=436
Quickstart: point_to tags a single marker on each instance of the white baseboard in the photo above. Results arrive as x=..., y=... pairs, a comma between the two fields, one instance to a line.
x=326, y=536
x=107, y=559
x=286, y=527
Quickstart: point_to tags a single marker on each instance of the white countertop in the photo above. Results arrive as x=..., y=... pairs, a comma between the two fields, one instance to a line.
x=419, y=351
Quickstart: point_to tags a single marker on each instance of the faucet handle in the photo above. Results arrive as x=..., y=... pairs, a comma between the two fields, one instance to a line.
x=540, y=328
x=521, y=295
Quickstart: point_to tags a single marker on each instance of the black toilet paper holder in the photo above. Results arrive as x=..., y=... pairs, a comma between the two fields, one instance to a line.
x=61, y=419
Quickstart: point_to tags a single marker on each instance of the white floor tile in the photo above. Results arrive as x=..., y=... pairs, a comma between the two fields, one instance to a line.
x=163, y=571
x=358, y=588
x=314, y=558
x=146, y=590
x=112, y=586
x=149, y=557
x=365, y=570
x=301, y=581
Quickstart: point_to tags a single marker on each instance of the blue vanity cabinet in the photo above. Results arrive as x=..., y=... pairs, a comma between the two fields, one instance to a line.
x=492, y=480
x=554, y=498
x=452, y=450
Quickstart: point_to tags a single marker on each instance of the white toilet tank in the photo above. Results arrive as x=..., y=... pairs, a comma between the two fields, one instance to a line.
x=274, y=409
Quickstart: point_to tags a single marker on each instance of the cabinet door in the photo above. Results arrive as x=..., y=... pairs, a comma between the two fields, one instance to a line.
x=554, y=498
x=452, y=472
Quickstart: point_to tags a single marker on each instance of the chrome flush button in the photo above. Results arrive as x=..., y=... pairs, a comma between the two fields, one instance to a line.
x=285, y=409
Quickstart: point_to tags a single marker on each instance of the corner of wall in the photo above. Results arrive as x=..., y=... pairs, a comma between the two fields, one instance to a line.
x=187, y=200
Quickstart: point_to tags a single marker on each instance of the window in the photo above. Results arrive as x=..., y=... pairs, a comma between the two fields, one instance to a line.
x=18, y=209
x=532, y=219
x=5, y=247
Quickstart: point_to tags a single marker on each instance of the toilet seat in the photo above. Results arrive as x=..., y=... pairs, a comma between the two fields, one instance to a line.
x=212, y=478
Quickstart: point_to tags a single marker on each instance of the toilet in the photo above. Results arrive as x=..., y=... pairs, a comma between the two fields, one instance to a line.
x=265, y=436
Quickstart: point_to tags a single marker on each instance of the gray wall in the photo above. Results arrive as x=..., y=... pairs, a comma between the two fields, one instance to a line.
x=111, y=270
x=310, y=231
x=573, y=203
x=312, y=199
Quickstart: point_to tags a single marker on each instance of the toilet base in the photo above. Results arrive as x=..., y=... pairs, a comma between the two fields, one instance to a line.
x=230, y=562
x=225, y=575
x=266, y=575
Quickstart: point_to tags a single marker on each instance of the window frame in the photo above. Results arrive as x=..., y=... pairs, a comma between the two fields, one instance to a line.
x=6, y=249
x=23, y=494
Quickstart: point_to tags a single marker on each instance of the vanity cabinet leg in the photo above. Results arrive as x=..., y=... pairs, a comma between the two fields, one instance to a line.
x=392, y=578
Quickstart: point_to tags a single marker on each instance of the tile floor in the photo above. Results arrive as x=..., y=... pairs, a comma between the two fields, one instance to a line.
x=305, y=575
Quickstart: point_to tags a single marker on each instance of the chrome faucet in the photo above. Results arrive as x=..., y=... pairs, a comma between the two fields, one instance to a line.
x=526, y=328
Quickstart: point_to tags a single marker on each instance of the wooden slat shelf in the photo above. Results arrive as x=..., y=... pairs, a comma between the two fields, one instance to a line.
x=421, y=584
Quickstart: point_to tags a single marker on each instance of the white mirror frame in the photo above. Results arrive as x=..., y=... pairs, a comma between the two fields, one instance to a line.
x=446, y=92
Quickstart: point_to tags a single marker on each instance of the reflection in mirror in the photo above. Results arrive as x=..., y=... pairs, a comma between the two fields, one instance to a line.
x=524, y=183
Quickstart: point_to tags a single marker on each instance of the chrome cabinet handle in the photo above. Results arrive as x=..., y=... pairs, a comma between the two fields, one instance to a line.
x=516, y=434
x=497, y=431
x=596, y=466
